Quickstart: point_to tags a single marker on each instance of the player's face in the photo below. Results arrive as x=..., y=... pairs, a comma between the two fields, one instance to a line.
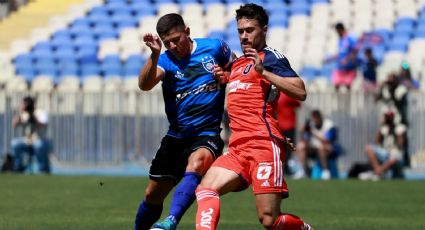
x=178, y=42
x=251, y=34
x=317, y=121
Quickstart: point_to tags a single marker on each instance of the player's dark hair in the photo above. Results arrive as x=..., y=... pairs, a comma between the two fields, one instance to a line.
x=168, y=22
x=339, y=26
x=316, y=113
x=29, y=103
x=253, y=11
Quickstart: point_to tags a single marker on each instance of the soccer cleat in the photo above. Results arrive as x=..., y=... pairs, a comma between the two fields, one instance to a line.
x=306, y=227
x=369, y=175
x=166, y=224
x=300, y=174
x=326, y=174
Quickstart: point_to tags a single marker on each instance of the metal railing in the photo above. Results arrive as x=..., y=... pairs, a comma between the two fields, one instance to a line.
x=110, y=128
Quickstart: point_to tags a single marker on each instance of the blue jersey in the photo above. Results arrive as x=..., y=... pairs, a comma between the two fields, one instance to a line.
x=194, y=100
x=346, y=46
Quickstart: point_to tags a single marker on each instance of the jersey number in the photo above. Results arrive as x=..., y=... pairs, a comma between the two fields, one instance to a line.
x=247, y=69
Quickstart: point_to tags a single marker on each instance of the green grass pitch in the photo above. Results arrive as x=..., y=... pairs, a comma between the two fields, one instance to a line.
x=80, y=202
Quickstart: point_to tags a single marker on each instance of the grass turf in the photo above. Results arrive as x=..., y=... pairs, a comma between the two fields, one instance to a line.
x=80, y=202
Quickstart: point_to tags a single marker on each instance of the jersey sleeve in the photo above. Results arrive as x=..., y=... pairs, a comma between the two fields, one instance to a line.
x=331, y=134
x=224, y=56
x=278, y=64
x=163, y=62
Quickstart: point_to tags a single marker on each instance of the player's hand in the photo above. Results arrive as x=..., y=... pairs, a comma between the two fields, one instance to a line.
x=290, y=144
x=258, y=63
x=220, y=75
x=153, y=42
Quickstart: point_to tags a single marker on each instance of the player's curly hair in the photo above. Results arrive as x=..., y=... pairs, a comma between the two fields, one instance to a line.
x=168, y=22
x=253, y=11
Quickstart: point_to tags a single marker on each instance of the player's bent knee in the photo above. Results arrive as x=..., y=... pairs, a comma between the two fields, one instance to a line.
x=199, y=163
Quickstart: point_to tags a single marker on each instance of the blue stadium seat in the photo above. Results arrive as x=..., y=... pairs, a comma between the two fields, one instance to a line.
x=420, y=31
x=68, y=68
x=278, y=19
x=87, y=55
x=384, y=34
x=116, y=6
x=61, y=34
x=309, y=73
x=42, y=55
x=258, y=2
x=420, y=34
x=276, y=7
x=65, y=54
x=75, y=30
x=378, y=53
x=105, y=32
x=90, y=69
x=23, y=59
x=405, y=21
x=217, y=34
x=235, y=1
x=42, y=46
x=299, y=8
x=28, y=72
x=319, y=1
x=121, y=21
x=100, y=20
x=111, y=66
x=46, y=68
x=401, y=47
x=327, y=69
x=98, y=10
x=133, y=65
x=81, y=22
x=145, y=9
x=163, y=1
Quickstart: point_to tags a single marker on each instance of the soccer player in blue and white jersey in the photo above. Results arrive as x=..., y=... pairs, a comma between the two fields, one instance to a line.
x=194, y=103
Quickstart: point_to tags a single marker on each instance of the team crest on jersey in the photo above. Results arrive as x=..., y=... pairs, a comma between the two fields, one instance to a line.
x=208, y=63
x=179, y=75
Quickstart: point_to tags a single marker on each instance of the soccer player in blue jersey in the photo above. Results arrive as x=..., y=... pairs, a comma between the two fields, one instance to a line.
x=194, y=103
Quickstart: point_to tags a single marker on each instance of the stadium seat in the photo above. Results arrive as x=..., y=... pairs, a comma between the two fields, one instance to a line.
x=42, y=84
x=308, y=73
x=142, y=9
x=133, y=65
x=123, y=20
x=68, y=68
x=217, y=34
x=97, y=20
x=17, y=84
x=89, y=69
x=69, y=83
x=105, y=32
x=111, y=66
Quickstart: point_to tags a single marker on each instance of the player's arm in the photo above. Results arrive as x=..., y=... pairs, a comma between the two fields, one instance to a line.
x=150, y=74
x=292, y=86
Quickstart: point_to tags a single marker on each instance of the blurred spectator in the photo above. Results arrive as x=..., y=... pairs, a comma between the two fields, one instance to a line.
x=320, y=141
x=406, y=79
x=387, y=152
x=32, y=141
x=369, y=71
x=347, y=62
x=392, y=93
x=287, y=118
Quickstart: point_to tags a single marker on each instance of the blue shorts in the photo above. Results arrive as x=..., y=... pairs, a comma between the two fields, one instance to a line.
x=380, y=153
